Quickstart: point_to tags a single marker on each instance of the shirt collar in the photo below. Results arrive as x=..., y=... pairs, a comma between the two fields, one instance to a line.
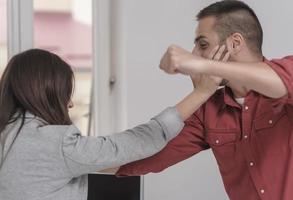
x=229, y=98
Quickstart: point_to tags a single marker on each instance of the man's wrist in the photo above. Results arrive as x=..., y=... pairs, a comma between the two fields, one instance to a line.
x=206, y=66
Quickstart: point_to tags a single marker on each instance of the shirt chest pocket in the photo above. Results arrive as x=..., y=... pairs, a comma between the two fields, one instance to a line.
x=222, y=142
x=219, y=138
x=268, y=121
x=223, y=145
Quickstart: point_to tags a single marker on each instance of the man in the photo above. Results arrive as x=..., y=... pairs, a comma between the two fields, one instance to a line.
x=247, y=123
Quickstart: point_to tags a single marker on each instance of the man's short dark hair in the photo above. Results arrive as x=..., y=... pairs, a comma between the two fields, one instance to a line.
x=235, y=17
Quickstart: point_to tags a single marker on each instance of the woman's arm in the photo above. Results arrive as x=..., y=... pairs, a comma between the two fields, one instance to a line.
x=85, y=155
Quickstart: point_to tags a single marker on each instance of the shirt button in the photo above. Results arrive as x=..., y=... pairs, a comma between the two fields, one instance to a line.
x=251, y=164
x=246, y=107
x=245, y=136
x=217, y=141
x=270, y=121
x=262, y=191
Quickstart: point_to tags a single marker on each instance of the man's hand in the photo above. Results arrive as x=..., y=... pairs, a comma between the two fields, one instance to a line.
x=210, y=83
x=178, y=60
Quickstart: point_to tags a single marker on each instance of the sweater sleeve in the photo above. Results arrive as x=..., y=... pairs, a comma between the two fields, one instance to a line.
x=85, y=155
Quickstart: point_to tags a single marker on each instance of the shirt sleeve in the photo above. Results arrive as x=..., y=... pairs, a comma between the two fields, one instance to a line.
x=189, y=142
x=284, y=68
x=85, y=155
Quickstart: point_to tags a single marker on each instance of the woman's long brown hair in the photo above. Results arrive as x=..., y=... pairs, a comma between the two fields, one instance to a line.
x=38, y=82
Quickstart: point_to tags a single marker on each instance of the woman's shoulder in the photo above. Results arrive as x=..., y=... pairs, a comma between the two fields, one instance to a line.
x=64, y=130
x=38, y=126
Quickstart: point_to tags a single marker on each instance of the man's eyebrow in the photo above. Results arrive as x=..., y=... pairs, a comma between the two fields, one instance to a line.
x=198, y=38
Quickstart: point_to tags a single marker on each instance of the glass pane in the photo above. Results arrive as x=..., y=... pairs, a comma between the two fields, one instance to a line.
x=3, y=35
x=64, y=27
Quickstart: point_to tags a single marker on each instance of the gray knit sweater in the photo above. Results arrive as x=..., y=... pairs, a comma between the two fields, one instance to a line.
x=51, y=162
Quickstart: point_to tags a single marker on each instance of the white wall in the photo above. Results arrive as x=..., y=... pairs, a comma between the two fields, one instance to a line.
x=150, y=27
x=276, y=18
x=82, y=11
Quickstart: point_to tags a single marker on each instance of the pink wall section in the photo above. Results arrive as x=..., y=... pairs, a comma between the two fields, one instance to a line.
x=60, y=33
x=3, y=22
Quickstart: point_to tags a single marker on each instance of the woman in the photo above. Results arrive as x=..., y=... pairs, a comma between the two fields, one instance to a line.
x=42, y=154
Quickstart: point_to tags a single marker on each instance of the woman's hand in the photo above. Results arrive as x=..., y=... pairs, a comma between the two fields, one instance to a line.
x=206, y=83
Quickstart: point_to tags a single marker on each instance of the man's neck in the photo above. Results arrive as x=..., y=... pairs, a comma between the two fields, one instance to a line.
x=248, y=57
x=239, y=92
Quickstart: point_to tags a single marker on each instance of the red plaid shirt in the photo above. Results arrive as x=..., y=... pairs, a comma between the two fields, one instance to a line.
x=252, y=143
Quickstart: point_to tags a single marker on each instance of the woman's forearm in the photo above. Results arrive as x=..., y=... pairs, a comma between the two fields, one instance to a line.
x=192, y=102
x=185, y=109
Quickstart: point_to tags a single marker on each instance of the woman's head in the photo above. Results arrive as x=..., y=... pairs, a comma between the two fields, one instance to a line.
x=39, y=82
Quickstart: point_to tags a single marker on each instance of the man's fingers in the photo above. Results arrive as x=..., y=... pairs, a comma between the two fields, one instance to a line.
x=213, y=52
x=226, y=57
x=167, y=66
x=162, y=62
x=220, y=53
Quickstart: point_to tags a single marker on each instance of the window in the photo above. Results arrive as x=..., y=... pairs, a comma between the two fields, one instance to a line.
x=64, y=27
x=3, y=35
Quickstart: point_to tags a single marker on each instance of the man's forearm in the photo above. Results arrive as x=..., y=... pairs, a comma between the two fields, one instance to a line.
x=255, y=76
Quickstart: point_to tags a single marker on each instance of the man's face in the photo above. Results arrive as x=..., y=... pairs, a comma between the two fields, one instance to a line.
x=206, y=40
x=206, y=37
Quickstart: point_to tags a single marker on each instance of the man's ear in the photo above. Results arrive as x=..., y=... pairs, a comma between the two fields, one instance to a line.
x=235, y=43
